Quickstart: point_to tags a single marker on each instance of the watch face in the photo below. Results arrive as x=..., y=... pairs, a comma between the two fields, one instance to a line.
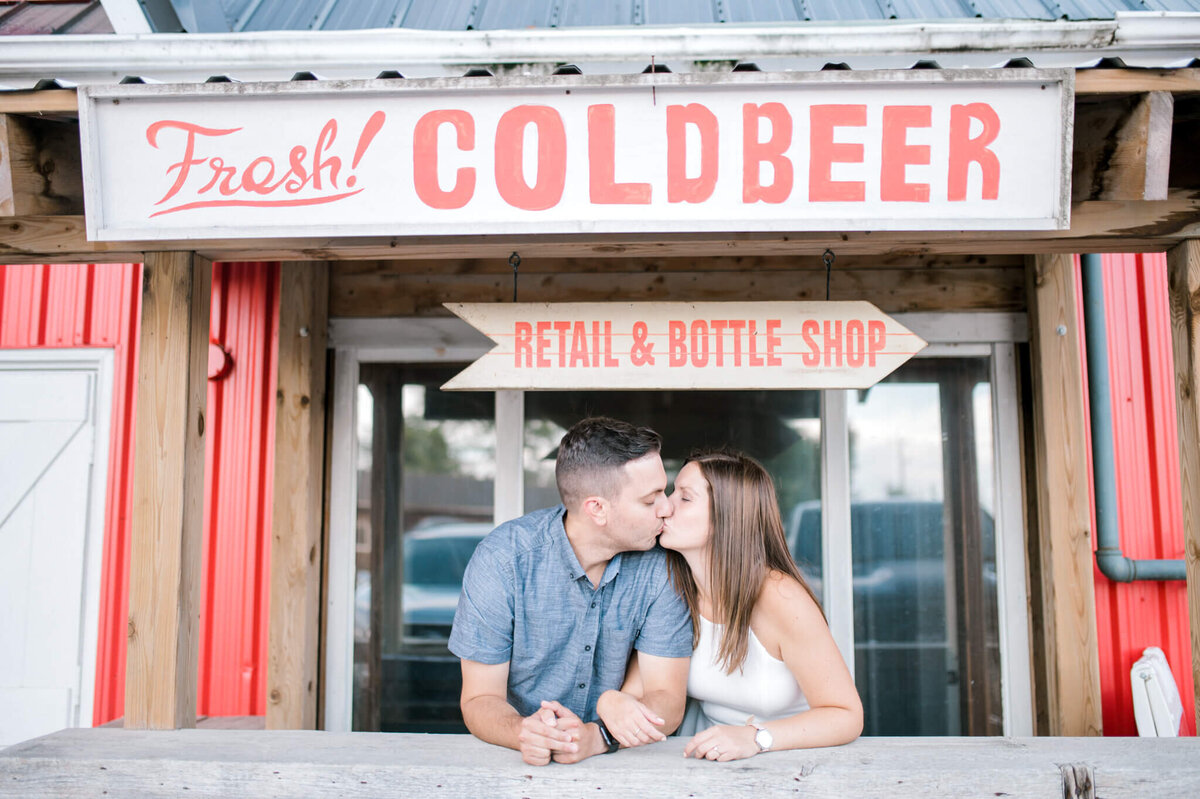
x=763, y=739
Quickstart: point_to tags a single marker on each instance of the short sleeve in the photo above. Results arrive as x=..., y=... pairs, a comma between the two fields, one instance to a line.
x=483, y=621
x=667, y=631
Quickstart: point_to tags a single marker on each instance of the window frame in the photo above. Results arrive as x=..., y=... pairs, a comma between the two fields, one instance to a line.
x=438, y=340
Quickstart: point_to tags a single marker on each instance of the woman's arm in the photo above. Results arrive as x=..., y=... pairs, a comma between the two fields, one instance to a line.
x=835, y=716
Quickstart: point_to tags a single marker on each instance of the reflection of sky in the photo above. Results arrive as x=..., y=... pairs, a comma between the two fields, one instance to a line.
x=896, y=442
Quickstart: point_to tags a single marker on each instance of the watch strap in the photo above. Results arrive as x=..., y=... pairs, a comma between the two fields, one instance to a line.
x=611, y=744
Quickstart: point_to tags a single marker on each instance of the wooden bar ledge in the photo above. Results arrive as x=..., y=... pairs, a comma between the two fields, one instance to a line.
x=276, y=763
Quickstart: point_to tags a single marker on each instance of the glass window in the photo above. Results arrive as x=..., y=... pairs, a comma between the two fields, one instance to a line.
x=425, y=492
x=923, y=549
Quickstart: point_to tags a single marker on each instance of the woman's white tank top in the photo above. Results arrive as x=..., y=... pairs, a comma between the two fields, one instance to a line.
x=763, y=687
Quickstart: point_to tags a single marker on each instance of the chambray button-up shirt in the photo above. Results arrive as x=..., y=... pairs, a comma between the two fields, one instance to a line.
x=527, y=601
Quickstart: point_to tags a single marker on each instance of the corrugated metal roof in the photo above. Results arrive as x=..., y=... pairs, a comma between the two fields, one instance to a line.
x=34, y=17
x=277, y=15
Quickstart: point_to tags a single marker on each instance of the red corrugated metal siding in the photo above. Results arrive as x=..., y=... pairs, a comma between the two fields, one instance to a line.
x=98, y=306
x=1133, y=616
x=236, y=568
x=90, y=305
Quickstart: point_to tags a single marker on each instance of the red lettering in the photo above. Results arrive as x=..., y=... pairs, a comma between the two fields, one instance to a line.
x=773, y=341
x=856, y=344
x=333, y=163
x=809, y=329
x=222, y=173
x=563, y=328
x=876, y=338
x=595, y=344
x=699, y=337
x=833, y=343
x=965, y=151
x=551, y=157
x=579, y=353
x=602, y=146
x=718, y=329
x=736, y=325
x=824, y=153
x=898, y=153
x=752, y=335
x=188, y=160
x=542, y=343
x=676, y=333
x=425, y=159
x=522, y=333
x=608, y=348
x=250, y=183
x=681, y=188
x=754, y=153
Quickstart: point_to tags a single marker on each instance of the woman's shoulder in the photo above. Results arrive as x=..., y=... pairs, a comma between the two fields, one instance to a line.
x=783, y=597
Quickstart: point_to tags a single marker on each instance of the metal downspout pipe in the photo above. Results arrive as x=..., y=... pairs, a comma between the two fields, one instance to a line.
x=1109, y=557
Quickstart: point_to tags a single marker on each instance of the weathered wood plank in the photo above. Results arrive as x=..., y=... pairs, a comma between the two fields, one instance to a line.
x=297, y=511
x=1122, y=147
x=1184, y=276
x=1136, y=81
x=40, y=170
x=1063, y=516
x=35, y=101
x=220, y=763
x=1096, y=226
x=892, y=290
x=168, y=493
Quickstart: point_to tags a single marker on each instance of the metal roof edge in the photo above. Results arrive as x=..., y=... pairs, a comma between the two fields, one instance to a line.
x=1142, y=38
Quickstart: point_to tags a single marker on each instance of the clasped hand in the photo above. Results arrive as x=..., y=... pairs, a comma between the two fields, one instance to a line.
x=628, y=720
x=554, y=732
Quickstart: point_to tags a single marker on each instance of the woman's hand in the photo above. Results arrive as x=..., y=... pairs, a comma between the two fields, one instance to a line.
x=629, y=721
x=723, y=742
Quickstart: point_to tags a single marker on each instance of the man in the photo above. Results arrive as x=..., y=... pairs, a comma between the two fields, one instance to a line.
x=554, y=602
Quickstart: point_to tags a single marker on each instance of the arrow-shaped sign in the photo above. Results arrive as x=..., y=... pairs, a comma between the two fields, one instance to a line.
x=683, y=345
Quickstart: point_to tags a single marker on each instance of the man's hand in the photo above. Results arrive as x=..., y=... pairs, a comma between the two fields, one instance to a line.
x=545, y=734
x=586, y=736
x=629, y=721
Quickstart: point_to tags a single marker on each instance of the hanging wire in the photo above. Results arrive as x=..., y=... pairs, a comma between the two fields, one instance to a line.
x=827, y=257
x=514, y=261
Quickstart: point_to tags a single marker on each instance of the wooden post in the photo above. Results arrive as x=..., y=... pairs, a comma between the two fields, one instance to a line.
x=1183, y=268
x=293, y=648
x=1072, y=662
x=168, y=493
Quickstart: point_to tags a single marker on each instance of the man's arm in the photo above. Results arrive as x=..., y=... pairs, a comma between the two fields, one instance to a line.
x=664, y=688
x=491, y=718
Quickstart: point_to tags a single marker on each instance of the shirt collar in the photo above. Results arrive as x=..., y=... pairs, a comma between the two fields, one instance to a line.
x=570, y=560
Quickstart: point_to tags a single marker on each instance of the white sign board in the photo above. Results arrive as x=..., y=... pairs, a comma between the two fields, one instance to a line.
x=899, y=150
x=682, y=345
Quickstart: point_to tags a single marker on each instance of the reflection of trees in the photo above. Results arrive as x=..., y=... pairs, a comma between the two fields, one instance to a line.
x=426, y=450
x=797, y=473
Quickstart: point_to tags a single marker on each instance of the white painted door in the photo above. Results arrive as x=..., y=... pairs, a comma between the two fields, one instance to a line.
x=53, y=453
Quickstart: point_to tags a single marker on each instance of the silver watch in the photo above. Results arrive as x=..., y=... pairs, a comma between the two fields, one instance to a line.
x=763, y=738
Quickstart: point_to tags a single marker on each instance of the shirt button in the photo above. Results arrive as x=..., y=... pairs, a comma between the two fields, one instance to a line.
x=583, y=685
x=587, y=648
x=593, y=604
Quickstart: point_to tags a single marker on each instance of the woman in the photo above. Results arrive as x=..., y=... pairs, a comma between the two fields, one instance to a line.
x=765, y=673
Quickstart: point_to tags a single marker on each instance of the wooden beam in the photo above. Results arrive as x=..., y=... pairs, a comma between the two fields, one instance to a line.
x=168, y=493
x=43, y=101
x=1183, y=264
x=1096, y=226
x=893, y=290
x=1136, y=81
x=40, y=169
x=1122, y=147
x=296, y=557
x=1062, y=503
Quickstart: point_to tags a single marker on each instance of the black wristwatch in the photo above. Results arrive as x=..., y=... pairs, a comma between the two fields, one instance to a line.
x=611, y=743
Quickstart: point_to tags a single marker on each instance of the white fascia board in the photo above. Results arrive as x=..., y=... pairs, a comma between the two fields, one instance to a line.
x=277, y=55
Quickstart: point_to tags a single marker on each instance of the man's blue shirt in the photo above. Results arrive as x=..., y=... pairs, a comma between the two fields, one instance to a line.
x=527, y=601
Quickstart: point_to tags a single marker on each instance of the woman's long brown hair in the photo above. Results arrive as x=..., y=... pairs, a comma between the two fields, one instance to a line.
x=747, y=542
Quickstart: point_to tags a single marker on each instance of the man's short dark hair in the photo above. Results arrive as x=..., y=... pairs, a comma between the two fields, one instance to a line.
x=592, y=453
